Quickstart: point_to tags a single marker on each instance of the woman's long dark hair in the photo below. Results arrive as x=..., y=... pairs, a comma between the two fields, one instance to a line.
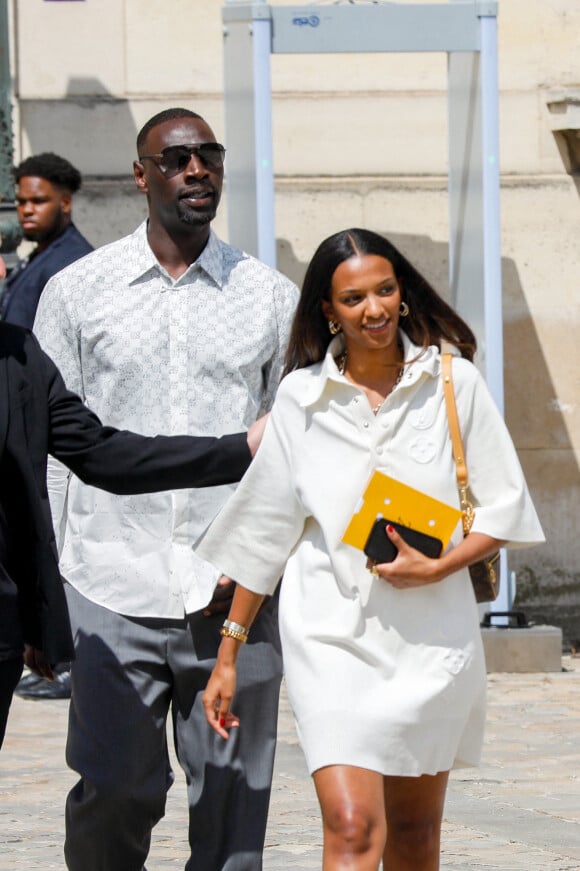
x=430, y=318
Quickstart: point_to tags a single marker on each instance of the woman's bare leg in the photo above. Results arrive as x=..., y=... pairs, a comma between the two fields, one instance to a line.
x=353, y=817
x=414, y=811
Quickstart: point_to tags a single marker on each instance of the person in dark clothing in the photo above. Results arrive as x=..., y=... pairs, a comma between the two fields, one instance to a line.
x=45, y=184
x=39, y=416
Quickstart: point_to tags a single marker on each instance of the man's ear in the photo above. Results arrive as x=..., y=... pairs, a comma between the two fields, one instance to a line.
x=139, y=176
x=66, y=203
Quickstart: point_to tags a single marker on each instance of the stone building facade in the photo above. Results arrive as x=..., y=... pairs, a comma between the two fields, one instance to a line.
x=358, y=140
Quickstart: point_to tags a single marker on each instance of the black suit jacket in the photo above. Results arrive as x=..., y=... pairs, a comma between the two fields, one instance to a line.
x=39, y=416
x=24, y=285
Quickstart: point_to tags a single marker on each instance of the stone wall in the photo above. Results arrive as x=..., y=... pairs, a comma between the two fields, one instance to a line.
x=358, y=140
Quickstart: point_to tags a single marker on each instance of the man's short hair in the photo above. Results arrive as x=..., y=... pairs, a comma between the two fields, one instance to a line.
x=57, y=170
x=160, y=118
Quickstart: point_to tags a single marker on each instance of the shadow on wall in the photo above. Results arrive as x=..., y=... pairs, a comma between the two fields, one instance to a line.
x=96, y=132
x=96, y=128
x=548, y=577
x=568, y=143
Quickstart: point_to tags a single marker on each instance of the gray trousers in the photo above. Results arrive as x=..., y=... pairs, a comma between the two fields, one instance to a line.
x=128, y=674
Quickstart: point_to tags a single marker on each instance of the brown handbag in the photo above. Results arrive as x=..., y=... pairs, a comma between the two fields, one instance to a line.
x=484, y=573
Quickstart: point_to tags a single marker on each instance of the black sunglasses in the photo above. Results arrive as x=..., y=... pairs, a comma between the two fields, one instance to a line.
x=175, y=158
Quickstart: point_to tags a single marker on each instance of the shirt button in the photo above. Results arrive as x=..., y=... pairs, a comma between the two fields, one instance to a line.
x=355, y=400
x=380, y=450
x=366, y=424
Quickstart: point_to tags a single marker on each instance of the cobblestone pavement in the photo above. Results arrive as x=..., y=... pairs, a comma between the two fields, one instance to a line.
x=519, y=812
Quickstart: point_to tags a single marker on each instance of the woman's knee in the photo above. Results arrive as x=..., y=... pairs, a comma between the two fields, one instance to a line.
x=354, y=829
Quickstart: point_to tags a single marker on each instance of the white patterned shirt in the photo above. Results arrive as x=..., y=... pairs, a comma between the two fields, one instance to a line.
x=201, y=355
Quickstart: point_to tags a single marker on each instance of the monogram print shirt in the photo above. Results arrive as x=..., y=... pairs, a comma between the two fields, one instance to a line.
x=200, y=355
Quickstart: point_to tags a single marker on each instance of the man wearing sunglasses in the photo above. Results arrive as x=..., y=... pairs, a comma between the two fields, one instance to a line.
x=169, y=330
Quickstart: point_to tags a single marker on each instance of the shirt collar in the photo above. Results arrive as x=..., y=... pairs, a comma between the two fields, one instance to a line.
x=422, y=363
x=210, y=259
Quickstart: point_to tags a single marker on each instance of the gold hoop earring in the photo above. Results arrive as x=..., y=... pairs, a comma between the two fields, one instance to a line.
x=334, y=328
x=404, y=309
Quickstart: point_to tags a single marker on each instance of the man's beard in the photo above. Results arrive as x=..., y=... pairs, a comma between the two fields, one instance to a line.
x=194, y=217
x=56, y=228
x=34, y=235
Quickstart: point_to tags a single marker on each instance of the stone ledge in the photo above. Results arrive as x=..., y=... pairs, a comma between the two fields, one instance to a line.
x=531, y=649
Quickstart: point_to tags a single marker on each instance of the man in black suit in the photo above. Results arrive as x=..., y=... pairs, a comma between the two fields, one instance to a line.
x=45, y=184
x=39, y=416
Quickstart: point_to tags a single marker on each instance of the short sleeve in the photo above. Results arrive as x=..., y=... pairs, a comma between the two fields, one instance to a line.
x=503, y=505
x=258, y=528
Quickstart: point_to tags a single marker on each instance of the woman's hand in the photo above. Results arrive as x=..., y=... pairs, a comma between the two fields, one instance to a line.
x=218, y=696
x=411, y=568
x=221, y=685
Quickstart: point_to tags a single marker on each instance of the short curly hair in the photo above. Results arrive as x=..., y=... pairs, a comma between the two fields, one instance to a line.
x=57, y=170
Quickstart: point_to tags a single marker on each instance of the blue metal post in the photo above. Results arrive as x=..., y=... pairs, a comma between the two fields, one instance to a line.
x=491, y=209
x=492, y=288
x=248, y=117
x=263, y=137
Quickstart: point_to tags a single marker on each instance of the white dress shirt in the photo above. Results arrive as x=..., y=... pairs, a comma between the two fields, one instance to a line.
x=200, y=355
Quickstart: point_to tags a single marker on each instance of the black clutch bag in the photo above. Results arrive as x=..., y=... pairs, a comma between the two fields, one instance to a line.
x=381, y=549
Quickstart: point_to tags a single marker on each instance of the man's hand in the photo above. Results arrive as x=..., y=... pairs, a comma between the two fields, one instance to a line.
x=35, y=661
x=222, y=597
x=255, y=433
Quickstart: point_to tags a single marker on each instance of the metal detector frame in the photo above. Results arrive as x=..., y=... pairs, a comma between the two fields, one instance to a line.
x=467, y=31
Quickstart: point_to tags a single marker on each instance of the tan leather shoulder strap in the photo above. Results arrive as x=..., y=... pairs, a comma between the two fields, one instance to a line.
x=454, y=428
x=456, y=441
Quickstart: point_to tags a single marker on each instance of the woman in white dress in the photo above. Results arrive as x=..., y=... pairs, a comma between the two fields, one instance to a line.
x=384, y=670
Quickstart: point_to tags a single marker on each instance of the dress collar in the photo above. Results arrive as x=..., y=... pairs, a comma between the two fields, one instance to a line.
x=419, y=363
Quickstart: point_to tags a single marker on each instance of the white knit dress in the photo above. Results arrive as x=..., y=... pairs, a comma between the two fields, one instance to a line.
x=388, y=680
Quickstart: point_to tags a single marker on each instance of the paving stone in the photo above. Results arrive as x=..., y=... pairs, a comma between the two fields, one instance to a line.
x=520, y=811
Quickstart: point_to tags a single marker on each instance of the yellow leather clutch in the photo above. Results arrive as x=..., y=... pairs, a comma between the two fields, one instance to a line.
x=386, y=497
